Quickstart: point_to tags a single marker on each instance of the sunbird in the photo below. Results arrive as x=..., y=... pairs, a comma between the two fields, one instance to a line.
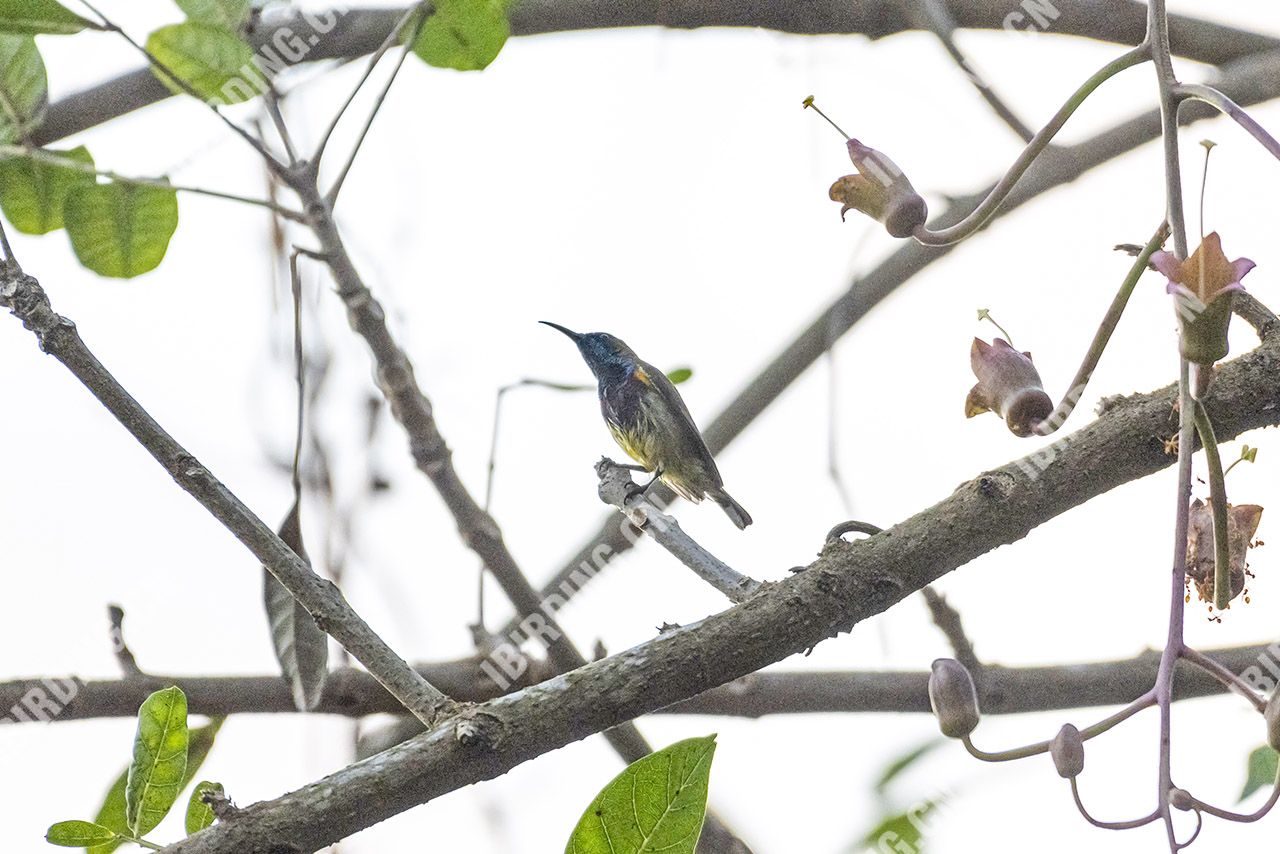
x=650, y=422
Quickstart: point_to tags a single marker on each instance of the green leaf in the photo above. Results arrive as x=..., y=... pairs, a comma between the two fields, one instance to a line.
x=24, y=87
x=213, y=61
x=901, y=832
x=199, y=814
x=1262, y=770
x=78, y=834
x=463, y=34
x=120, y=230
x=679, y=375
x=159, y=760
x=112, y=813
x=29, y=17
x=301, y=647
x=228, y=14
x=33, y=189
x=902, y=763
x=656, y=804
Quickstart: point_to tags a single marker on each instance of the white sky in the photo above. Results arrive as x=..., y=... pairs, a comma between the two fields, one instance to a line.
x=666, y=187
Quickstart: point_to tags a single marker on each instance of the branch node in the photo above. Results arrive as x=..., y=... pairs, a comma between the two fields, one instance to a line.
x=124, y=656
x=479, y=730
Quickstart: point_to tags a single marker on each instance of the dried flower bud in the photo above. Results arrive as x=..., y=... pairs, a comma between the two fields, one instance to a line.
x=881, y=191
x=953, y=698
x=1272, y=716
x=1180, y=799
x=1205, y=286
x=1009, y=384
x=1242, y=524
x=1067, y=750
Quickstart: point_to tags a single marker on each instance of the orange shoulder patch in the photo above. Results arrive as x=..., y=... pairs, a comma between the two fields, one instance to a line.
x=642, y=376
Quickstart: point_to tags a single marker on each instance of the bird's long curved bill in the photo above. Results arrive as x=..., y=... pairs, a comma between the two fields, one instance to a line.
x=574, y=335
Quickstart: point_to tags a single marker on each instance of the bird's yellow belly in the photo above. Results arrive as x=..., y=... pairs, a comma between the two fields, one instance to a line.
x=635, y=447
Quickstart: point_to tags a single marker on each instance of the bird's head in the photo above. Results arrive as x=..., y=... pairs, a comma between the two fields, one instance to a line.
x=603, y=353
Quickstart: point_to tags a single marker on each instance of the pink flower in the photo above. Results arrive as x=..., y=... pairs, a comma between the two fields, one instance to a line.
x=1204, y=286
x=881, y=191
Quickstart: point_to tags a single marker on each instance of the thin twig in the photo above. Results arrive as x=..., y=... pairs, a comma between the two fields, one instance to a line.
x=1252, y=311
x=124, y=656
x=1243, y=818
x=618, y=489
x=54, y=159
x=937, y=17
x=1230, y=109
x=1075, y=391
x=295, y=290
x=1218, y=507
x=1162, y=62
x=1146, y=701
x=387, y=42
x=332, y=195
x=1038, y=144
x=948, y=621
x=1225, y=676
x=186, y=87
x=1109, y=825
x=272, y=99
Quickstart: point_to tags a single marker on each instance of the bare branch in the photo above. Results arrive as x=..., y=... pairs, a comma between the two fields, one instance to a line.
x=361, y=32
x=618, y=489
x=57, y=336
x=124, y=656
x=948, y=621
x=934, y=15
x=353, y=693
x=1262, y=319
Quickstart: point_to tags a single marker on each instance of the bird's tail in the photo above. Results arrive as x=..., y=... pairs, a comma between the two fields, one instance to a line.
x=735, y=511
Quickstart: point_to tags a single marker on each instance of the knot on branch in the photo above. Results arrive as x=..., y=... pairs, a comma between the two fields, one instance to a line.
x=479, y=730
x=618, y=489
x=28, y=302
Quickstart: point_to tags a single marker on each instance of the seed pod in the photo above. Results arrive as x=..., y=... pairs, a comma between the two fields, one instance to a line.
x=1272, y=716
x=1180, y=799
x=1067, y=750
x=953, y=698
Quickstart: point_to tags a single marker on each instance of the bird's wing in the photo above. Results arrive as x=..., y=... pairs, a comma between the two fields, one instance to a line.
x=687, y=432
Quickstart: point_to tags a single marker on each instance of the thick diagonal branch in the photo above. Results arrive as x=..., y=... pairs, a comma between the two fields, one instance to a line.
x=360, y=32
x=847, y=584
x=58, y=337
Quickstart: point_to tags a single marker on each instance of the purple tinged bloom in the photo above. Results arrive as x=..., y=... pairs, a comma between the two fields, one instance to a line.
x=880, y=190
x=1204, y=287
x=1008, y=384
